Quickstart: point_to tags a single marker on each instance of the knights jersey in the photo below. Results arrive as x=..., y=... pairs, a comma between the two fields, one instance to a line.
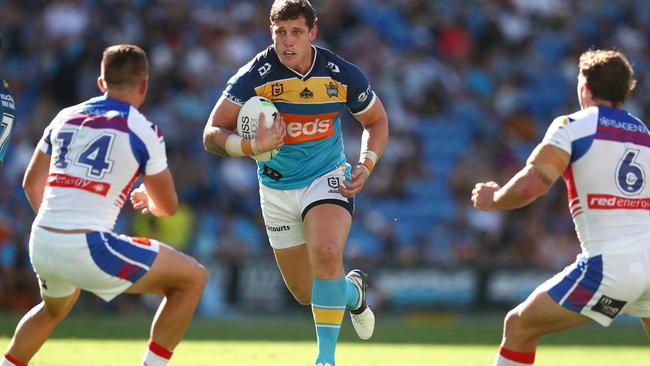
x=98, y=149
x=606, y=178
x=310, y=105
x=7, y=117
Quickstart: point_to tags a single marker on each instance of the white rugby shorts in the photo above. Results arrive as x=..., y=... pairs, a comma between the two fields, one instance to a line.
x=603, y=286
x=284, y=210
x=103, y=263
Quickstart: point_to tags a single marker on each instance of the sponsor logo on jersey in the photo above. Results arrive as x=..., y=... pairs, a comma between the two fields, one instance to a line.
x=272, y=173
x=264, y=70
x=277, y=229
x=301, y=128
x=608, y=306
x=277, y=89
x=68, y=181
x=7, y=101
x=334, y=67
x=623, y=125
x=610, y=202
x=363, y=96
x=332, y=89
x=306, y=94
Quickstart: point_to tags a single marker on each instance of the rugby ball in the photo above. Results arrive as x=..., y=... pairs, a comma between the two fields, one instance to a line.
x=248, y=122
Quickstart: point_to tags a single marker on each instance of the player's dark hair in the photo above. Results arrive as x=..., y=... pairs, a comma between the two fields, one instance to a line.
x=292, y=9
x=609, y=75
x=124, y=65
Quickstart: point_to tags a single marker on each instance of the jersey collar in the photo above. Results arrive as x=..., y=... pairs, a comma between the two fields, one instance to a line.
x=301, y=76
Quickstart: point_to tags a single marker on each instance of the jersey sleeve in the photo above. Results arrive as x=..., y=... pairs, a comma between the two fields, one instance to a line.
x=558, y=134
x=360, y=94
x=45, y=143
x=239, y=88
x=148, y=145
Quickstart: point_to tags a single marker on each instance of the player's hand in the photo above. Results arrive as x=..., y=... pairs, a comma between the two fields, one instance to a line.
x=358, y=177
x=267, y=139
x=483, y=195
x=140, y=199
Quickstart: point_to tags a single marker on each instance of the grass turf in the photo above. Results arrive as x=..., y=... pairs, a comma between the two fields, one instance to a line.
x=270, y=341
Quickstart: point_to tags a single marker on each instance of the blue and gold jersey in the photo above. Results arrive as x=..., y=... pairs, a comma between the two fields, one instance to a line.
x=310, y=105
x=7, y=117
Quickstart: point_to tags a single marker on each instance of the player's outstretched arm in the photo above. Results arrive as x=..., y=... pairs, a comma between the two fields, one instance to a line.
x=373, y=141
x=544, y=166
x=157, y=194
x=35, y=178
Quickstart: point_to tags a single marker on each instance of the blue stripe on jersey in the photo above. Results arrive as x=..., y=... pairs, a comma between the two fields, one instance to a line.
x=580, y=147
x=48, y=141
x=104, y=248
x=591, y=272
x=139, y=151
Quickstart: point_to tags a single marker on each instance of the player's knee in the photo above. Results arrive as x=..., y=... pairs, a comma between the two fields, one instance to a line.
x=55, y=313
x=328, y=255
x=199, y=276
x=514, y=326
x=512, y=321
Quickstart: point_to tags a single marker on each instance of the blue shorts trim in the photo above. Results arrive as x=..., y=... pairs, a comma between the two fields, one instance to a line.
x=119, y=257
x=580, y=284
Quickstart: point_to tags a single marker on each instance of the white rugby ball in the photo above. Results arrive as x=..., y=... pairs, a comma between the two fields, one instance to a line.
x=248, y=122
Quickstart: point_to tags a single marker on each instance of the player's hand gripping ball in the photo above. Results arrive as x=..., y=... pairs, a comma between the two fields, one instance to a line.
x=248, y=122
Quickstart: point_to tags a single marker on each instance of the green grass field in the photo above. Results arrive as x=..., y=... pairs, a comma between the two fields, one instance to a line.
x=287, y=341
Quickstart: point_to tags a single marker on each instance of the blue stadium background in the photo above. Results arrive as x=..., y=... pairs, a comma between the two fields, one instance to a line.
x=469, y=87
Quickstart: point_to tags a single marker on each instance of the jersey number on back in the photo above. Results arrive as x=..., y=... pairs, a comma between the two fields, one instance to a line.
x=94, y=156
x=630, y=176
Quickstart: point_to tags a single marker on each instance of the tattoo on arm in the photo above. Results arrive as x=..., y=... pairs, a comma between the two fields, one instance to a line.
x=212, y=146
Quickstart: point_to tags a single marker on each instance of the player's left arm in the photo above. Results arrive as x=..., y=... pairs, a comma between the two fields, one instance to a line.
x=543, y=167
x=373, y=141
x=35, y=178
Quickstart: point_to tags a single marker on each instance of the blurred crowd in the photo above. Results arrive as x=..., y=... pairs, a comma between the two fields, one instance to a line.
x=470, y=87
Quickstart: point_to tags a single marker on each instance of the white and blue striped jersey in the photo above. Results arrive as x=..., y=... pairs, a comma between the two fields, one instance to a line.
x=98, y=150
x=606, y=178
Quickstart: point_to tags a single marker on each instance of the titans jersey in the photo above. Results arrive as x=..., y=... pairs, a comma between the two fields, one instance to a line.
x=98, y=149
x=7, y=117
x=310, y=105
x=606, y=179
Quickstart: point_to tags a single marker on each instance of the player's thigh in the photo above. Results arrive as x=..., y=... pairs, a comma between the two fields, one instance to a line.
x=59, y=307
x=326, y=228
x=539, y=314
x=171, y=270
x=327, y=217
x=295, y=268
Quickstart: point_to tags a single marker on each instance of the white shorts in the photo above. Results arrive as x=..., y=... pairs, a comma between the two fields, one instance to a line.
x=103, y=263
x=284, y=210
x=603, y=286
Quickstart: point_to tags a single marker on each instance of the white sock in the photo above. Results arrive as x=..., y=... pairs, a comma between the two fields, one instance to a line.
x=506, y=357
x=5, y=362
x=155, y=355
